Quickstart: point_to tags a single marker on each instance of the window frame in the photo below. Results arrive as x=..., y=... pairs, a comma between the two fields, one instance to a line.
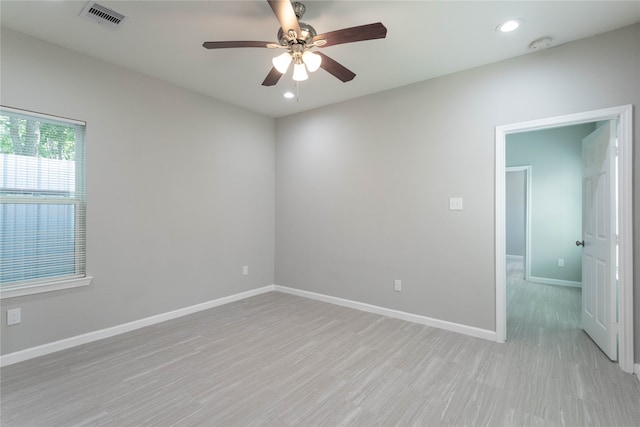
x=55, y=283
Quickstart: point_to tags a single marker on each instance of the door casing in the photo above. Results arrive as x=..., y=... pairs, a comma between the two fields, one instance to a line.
x=624, y=116
x=526, y=169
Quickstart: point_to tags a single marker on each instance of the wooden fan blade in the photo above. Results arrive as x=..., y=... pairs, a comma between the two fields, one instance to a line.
x=286, y=16
x=272, y=78
x=353, y=34
x=230, y=44
x=335, y=68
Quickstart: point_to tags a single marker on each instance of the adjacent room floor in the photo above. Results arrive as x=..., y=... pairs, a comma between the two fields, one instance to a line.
x=282, y=360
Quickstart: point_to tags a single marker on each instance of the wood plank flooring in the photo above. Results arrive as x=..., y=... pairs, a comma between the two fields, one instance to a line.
x=282, y=360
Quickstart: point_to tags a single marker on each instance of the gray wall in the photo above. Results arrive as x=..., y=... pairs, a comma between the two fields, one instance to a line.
x=515, y=213
x=363, y=186
x=555, y=156
x=180, y=192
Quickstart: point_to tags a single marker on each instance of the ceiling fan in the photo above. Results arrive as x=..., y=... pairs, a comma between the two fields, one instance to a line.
x=298, y=38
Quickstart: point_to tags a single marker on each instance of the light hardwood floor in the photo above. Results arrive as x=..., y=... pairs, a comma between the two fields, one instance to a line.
x=282, y=360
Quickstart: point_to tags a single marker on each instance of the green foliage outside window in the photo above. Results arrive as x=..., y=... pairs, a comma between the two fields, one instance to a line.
x=36, y=139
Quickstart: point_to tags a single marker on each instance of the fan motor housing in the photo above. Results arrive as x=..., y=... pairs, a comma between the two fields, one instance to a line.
x=306, y=36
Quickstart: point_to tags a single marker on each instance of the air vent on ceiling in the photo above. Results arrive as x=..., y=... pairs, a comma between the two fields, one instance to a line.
x=103, y=15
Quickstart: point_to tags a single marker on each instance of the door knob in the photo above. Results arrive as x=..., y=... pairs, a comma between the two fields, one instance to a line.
x=579, y=243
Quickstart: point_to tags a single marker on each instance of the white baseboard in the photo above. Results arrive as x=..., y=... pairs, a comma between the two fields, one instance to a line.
x=557, y=282
x=44, y=349
x=415, y=318
x=41, y=350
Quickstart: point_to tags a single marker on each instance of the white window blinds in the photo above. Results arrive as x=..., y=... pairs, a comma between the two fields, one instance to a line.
x=42, y=199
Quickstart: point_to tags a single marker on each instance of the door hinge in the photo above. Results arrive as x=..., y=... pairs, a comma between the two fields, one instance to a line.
x=617, y=239
x=616, y=150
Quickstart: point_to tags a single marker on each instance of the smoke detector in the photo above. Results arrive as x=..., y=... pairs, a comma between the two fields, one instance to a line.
x=102, y=15
x=540, y=44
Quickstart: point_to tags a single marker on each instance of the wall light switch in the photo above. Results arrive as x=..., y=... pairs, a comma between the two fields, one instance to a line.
x=455, y=204
x=397, y=285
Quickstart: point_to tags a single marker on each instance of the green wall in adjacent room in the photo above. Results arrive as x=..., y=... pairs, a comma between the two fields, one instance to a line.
x=555, y=156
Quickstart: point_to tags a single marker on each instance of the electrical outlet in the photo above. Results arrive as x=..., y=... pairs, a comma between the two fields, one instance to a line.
x=245, y=270
x=397, y=285
x=560, y=262
x=14, y=316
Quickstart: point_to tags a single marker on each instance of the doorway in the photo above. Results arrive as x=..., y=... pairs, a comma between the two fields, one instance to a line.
x=624, y=116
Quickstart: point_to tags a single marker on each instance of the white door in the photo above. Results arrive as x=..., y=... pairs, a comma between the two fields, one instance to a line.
x=599, y=238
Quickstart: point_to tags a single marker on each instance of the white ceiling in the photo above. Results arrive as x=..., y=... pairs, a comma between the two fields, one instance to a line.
x=425, y=39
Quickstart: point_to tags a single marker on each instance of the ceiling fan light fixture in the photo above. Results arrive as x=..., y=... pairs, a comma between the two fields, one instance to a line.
x=299, y=72
x=297, y=38
x=281, y=62
x=311, y=60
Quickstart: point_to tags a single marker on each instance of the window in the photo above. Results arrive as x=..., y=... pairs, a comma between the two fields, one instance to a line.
x=42, y=203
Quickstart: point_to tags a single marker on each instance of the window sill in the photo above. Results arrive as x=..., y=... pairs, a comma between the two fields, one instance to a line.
x=20, y=291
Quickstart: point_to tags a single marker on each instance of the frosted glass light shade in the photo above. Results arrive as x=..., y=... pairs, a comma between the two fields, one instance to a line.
x=299, y=72
x=281, y=62
x=311, y=60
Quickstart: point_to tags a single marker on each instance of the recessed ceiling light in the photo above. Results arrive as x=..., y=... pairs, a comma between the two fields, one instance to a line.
x=508, y=26
x=288, y=95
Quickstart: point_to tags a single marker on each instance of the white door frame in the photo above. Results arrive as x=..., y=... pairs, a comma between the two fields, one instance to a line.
x=527, y=216
x=624, y=115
